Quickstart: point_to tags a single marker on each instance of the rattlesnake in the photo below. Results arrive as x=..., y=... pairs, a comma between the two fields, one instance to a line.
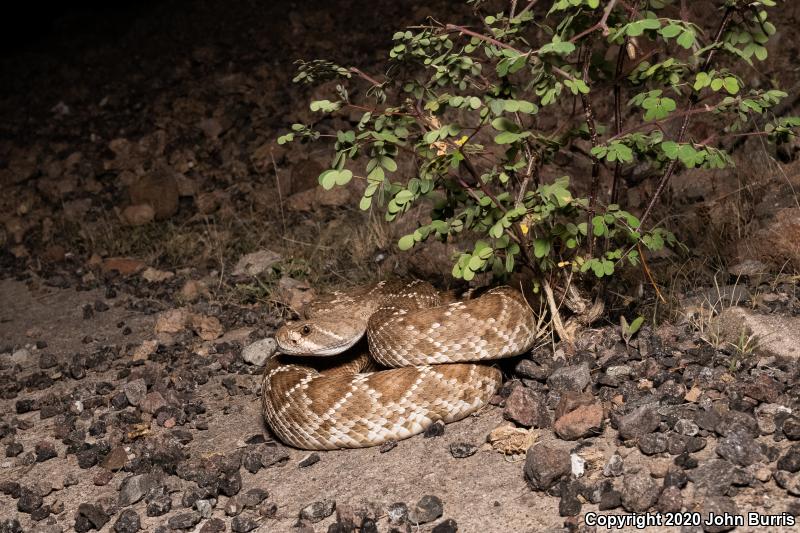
x=414, y=373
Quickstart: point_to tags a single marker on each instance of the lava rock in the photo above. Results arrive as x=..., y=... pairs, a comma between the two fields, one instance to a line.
x=614, y=466
x=434, y=430
x=427, y=509
x=570, y=378
x=243, y=524
x=790, y=461
x=670, y=500
x=445, y=526
x=159, y=505
x=308, y=460
x=527, y=408
x=569, y=504
x=253, y=497
x=397, y=513
x=135, y=487
x=460, y=450
x=317, y=511
x=184, y=520
x=720, y=506
x=739, y=448
x=94, y=513
x=653, y=443
x=639, y=492
x=259, y=352
x=387, y=446
x=127, y=522
x=135, y=391
x=791, y=428
x=609, y=499
x=45, y=450
x=29, y=500
x=545, y=464
x=639, y=422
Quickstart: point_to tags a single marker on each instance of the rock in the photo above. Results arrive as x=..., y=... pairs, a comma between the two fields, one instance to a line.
x=788, y=482
x=126, y=266
x=153, y=401
x=204, y=507
x=653, y=443
x=259, y=352
x=172, y=321
x=748, y=267
x=256, y=263
x=135, y=487
x=791, y=428
x=714, y=476
x=609, y=499
x=766, y=414
x=670, y=500
x=639, y=422
x=243, y=524
x=193, y=290
x=184, y=520
x=156, y=276
x=159, y=505
x=29, y=500
x=45, y=450
x=317, y=511
x=135, y=391
x=397, y=513
x=387, y=446
x=790, y=461
x=460, y=450
x=127, y=522
x=583, y=421
x=527, y=408
x=739, y=448
x=570, y=378
x=427, y=509
x=569, y=504
x=159, y=189
x=722, y=509
x=253, y=497
x=115, y=459
x=639, y=492
x=778, y=242
x=214, y=525
x=614, y=467
x=94, y=513
x=138, y=215
x=207, y=328
x=436, y=429
x=776, y=335
x=445, y=526
x=545, y=464
x=293, y=293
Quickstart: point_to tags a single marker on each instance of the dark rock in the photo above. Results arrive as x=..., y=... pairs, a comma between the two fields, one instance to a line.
x=528, y=369
x=686, y=461
x=45, y=450
x=739, y=448
x=722, y=507
x=639, y=422
x=791, y=428
x=676, y=443
x=214, y=525
x=184, y=520
x=127, y=522
x=695, y=444
x=103, y=477
x=434, y=430
x=253, y=497
x=317, y=511
x=387, y=446
x=14, y=449
x=397, y=513
x=10, y=525
x=159, y=505
x=309, y=460
x=135, y=487
x=460, y=450
x=273, y=454
x=570, y=378
x=88, y=458
x=268, y=509
x=251, y=460
x=609, y=499
x=614, y=466
x=676, y=478
x=737, y=422
x=569, y=504
x=427, y=509
x=29, y=500
x=135, y=391
x=94, y=513
x=715, y=476
x=545, y=464
x=639, y=492
x=115, y=459
x=790, y=461
x=243, y=524
x=25, y=406
x=653, y=443
x=368, y=525
x=445, y=526
x=10, y=488
x=670, y=500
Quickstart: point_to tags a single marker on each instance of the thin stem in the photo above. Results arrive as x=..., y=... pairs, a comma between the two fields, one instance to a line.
x=662, y=183
x=618, y=116
x=589, y=113
x=601, y=25
x=365, y=76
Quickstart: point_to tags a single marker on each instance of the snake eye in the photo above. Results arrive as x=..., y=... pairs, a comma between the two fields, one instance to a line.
x=306, y=329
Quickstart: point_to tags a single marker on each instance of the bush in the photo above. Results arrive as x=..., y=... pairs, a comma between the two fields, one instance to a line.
x=468, y=106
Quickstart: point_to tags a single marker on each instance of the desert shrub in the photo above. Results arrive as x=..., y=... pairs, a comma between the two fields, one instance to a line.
x=482, y=112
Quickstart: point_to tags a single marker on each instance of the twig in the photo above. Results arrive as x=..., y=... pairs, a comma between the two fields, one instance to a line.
x=649, y=275
x=601, y=25
x=365, y=76
x=589, y=113
x=618, y=116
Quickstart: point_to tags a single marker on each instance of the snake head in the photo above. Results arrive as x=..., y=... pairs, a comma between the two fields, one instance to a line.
x=321, y=336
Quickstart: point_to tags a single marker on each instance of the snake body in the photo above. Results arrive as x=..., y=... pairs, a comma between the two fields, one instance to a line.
x=422, y=364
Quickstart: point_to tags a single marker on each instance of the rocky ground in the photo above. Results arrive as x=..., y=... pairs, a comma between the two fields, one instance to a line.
x=154, y=235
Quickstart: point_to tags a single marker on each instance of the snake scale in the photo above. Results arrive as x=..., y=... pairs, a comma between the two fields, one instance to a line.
x=423, y=363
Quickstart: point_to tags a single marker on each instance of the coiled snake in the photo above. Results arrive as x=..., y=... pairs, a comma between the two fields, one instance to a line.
x=416, y=370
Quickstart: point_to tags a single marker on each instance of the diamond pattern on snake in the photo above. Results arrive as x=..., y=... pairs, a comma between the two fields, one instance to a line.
x=426, y=361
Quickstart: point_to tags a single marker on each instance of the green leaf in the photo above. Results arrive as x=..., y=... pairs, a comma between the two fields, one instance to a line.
x=541, y=247
x=731, y=85
x=406, y=242
x=343, y=177
x=328, y=179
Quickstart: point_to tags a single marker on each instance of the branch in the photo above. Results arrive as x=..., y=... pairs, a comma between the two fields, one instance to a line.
x=601, y=25
x=365, y=76
x=589, y=113
x=685, y=125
